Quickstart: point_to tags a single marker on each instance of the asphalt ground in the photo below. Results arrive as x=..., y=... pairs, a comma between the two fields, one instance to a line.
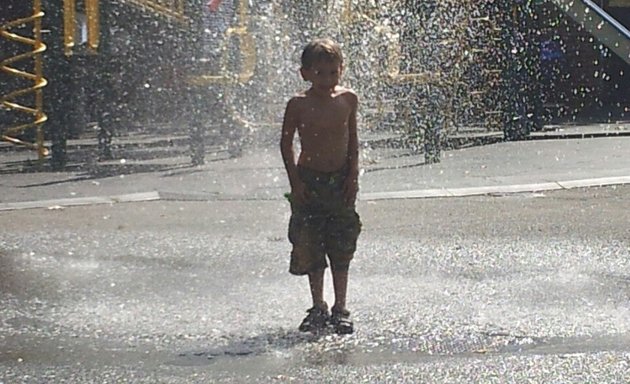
x=503, y=263
x=511, y=288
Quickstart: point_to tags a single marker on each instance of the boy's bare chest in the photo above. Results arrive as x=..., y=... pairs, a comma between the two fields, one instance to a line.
x=330, y=114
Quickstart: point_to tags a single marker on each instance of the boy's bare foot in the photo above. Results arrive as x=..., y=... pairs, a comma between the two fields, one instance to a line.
x=316, y=320
x=340, y=320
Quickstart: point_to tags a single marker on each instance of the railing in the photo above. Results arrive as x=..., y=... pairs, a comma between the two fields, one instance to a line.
x=176, y=9
x=604, y=15
x=10, y=100
x=394, y=56
x=247, y=50
x=600, y=24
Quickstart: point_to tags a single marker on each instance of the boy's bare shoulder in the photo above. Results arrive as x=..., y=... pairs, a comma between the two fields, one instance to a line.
x=297, y=99
x=299, y=96
x=346, y=93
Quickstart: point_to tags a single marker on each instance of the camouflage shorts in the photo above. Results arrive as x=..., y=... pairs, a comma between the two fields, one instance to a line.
x=323, y=226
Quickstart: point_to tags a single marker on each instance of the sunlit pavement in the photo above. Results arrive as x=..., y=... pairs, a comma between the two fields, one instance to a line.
x=515, y=288
x=189, y=283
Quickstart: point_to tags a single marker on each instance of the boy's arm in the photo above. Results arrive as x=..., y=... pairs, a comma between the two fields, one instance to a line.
x=353, y=137
x=289, y=126
x=351, y=186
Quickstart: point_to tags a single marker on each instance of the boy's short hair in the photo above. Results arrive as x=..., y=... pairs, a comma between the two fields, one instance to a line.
x=321, y=49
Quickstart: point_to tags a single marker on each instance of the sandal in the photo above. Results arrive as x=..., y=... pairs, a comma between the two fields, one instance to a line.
x=340, y=320
x=316, y=320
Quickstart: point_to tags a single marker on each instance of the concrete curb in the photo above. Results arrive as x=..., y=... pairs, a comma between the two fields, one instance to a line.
x=495, y=189
x=76, y=201
x=556, y=135
x=372, y=196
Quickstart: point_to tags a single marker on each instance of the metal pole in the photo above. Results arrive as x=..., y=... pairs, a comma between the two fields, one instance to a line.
x=69, y=19
x=39, y=99
x=93, y=23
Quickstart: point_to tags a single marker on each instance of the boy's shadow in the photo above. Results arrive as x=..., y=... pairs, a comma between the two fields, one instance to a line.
x=279, y=340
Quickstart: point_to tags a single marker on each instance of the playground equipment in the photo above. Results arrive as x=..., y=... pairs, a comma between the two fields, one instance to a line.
x=437, y=66
x=13, y=99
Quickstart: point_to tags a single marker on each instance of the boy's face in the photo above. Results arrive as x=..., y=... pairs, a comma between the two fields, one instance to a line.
x=324, y=75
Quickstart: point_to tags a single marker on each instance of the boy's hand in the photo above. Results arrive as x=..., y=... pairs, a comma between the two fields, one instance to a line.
x=350, y=189
x=299, y=192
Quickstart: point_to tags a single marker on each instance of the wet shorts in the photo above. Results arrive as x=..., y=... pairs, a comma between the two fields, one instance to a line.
x=324, y=225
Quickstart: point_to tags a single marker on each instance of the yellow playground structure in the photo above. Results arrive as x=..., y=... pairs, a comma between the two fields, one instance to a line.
x=11, y=100
x=212, y=65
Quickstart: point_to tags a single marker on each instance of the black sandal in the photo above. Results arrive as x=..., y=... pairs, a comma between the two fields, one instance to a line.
x=340, y=320
x=316, y=320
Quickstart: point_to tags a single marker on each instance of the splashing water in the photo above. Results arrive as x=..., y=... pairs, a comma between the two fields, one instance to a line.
x=443, y=67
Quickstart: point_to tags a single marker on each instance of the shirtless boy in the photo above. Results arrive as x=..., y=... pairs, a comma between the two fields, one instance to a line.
x=324, y=182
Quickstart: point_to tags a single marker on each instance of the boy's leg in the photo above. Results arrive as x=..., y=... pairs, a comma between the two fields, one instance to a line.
x=316, y=282
x=340, y=284
x=340, y=318
x=341, y=240
x=318, y=316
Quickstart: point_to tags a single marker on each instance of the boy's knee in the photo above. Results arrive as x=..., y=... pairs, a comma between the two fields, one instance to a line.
x=340, y=262
x=340, y=267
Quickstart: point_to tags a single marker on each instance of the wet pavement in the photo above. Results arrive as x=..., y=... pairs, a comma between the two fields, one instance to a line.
x=189, y=284
x=495, y=288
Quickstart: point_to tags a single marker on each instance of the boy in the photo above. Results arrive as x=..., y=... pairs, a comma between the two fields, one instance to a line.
x=324, y=182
